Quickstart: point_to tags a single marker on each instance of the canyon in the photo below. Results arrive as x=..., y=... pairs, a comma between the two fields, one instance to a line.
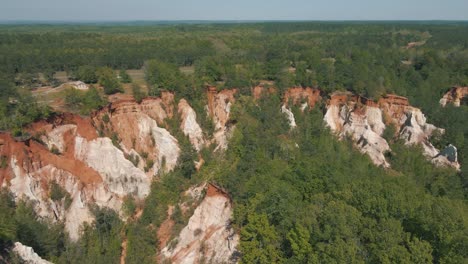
x=365, y=121
x=120, y=149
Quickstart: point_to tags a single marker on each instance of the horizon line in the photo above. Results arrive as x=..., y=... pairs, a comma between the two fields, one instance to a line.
x=35, y=21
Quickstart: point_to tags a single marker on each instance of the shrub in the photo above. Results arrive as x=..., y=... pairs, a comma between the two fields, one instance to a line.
x=55, y=150
x=57, y=192
x=106, y=118
x=149, y=165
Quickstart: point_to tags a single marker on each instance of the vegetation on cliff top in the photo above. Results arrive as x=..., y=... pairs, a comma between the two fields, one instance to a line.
x=319, y=200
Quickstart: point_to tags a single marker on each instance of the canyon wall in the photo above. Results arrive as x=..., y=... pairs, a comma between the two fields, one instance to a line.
x=27, y=254
x=208, y=236
x=219, y=109
x=94, y=161
x=454, y=96
x=118, y=151
x=365, y=122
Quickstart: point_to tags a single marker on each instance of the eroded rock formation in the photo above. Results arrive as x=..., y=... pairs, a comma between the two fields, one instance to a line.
x=97, y=161
x=208, y=236
x=140, y=130
x=346, y=116
x=189, y=125
x=116, y=153
x=455, y=96
x=305, y=97
x=219, y=109
x=27, y=254
x=260, y=90
x=31, y=168
x=365, y=121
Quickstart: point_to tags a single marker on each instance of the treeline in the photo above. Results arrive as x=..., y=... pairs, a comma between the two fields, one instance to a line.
x=18, y=108
x=369, y=58
x=67, y=51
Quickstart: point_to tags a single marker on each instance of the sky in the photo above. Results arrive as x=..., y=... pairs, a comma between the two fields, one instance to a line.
x=125, y=10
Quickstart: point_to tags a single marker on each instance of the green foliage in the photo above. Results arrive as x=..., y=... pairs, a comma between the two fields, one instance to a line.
x=83, y=102
x=298, y=239
x=260, y=241
x=141, y=245
x=92, y=100
x=108, y=79
x=7, y=220
x=438, y=181
x=17, y=106
x=86, y=74
x=129, y=206
x=3, y=162
x=390, y=132
x=300, y=195
x=47, y=239
x=138, y=94
x=124, y=77
x=149, y=165
x=163, y=193
x=106, y=118
x=74, y=98
x=162, y=76
x=57, y=192
x=100, y=241
x=455, y=123
x=188, y=155
x=135, y=159
x=115, y=139
x=212, y=69
x=144, y=155
x=55, y=150
x=324, y=201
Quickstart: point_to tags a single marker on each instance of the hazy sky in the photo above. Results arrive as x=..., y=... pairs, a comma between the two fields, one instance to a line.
x=233, y=10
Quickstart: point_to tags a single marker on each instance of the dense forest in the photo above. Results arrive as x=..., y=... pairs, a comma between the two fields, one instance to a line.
x=322, y=202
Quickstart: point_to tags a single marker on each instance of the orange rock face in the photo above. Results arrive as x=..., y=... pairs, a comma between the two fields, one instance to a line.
x=213, y=190
x=342, y=98
x=217, y=102
x=259, y=91
x=32, y=155
x=297, y=95
x=395, y=108
x=219, y=108
x=78, y=154
x=85, y=128
x=140, y=129
x=29, y=167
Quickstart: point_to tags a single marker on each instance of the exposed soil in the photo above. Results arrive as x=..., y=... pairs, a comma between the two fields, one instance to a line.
x=297, y=95
x=165, y=230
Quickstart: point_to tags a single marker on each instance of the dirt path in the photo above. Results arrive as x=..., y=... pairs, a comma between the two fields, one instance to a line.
x=123, y=255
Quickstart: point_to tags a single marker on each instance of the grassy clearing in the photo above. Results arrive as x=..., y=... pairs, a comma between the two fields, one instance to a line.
x=188, y=70
x=137, y=75
x=62, y=76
